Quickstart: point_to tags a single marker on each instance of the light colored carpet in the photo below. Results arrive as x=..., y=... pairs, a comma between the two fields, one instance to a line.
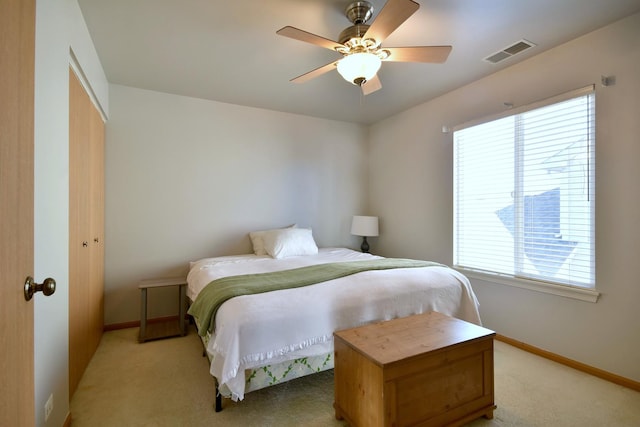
x=166, y=383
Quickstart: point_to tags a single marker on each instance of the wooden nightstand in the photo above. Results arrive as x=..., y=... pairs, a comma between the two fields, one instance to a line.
x=165, y=329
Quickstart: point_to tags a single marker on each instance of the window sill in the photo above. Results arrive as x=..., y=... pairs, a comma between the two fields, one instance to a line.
x=582, y=294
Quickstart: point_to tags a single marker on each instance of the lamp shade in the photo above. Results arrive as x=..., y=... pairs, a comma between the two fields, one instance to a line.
x=357, y=68
x=366, y=226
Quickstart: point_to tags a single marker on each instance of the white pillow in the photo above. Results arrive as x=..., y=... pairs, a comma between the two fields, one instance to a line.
x=289, y=242
x=257, y=240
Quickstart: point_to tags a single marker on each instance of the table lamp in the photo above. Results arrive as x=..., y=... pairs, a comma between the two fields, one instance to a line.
x=365, y=226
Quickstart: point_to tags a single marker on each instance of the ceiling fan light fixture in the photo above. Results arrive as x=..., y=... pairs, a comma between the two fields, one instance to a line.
x=357, y=68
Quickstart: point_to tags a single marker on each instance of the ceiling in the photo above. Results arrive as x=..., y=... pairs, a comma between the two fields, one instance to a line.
x=228, y=51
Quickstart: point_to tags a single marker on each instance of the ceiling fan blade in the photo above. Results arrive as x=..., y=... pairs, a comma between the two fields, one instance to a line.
x=391, y=16
x=298, y=34
x=435, y=54
x=371, y=85
x=315, y=73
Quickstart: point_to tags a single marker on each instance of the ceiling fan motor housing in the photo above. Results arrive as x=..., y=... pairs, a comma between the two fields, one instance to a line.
x=359, y=12
x=354, y=31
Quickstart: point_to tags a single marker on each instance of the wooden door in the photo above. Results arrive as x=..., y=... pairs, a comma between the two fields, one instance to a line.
x=96, y=228
x=86, y=229
x=78, y=231
x=17, y=59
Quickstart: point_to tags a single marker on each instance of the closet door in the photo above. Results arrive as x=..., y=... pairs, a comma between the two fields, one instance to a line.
x=86, y=230
x=78, y=231
x=96, y=229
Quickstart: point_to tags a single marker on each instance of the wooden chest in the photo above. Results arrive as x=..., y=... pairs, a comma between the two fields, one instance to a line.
x=425, y=370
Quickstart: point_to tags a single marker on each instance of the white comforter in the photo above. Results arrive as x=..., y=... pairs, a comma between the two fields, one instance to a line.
x=268, y=328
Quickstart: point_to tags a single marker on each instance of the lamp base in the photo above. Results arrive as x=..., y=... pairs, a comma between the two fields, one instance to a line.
x=365, y=245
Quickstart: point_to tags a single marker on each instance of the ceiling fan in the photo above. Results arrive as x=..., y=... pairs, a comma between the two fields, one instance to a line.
x=360, y=44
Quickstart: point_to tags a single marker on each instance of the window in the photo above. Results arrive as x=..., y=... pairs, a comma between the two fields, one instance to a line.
x=524, y=193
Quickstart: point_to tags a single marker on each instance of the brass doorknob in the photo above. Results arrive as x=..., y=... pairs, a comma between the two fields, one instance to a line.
x=48, y=287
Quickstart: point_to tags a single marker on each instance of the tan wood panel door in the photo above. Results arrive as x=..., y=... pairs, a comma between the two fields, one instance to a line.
x=86, y=229
x=96, y=227
x=79, y=232
x=17, y=59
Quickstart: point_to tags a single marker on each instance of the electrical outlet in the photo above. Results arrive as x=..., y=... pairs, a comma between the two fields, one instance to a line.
x=48, y=407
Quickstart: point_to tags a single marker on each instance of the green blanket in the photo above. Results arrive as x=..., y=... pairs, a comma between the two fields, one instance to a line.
x=210, y=299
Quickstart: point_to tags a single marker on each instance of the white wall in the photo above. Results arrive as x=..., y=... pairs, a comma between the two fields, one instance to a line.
x=59, y=27
x=188, y=178
x=411, y=166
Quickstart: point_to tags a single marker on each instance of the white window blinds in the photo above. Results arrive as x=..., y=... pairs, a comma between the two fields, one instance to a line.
x=524, y=193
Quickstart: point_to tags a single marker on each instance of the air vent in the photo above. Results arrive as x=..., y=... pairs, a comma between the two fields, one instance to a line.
x=509, y=51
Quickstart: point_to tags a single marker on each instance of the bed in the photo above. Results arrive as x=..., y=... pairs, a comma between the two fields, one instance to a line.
x=260, y=339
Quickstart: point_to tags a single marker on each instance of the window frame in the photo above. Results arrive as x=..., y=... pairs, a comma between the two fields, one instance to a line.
x=584, y=293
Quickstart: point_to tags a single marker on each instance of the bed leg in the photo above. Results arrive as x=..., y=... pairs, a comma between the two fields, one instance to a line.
x=218, y=403
x=218, y=399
